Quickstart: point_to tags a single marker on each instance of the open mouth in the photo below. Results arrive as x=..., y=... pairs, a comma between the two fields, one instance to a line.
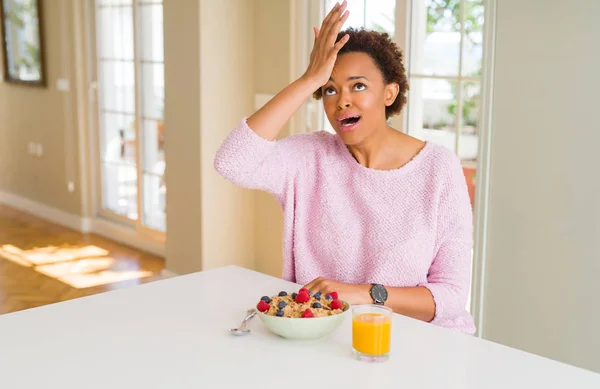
x=349, y=121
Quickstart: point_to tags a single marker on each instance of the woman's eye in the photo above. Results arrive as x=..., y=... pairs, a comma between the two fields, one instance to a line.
x=360, y=86
x=329, y=91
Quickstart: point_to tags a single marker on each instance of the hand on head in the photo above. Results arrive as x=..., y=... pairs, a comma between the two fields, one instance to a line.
x=325, y=49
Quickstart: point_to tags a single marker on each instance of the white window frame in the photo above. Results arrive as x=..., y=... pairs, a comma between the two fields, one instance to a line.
x=305, y=14
x=96, y=163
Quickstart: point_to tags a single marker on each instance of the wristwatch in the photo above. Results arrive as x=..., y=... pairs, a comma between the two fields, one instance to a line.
x=379, y=294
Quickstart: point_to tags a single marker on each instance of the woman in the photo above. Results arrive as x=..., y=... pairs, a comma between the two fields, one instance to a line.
x=370, y=212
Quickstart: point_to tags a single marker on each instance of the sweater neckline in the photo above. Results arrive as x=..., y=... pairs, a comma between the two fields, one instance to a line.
x=388, y=172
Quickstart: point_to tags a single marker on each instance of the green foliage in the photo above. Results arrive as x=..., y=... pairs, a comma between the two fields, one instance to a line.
x=444, y=15
x=441, y=12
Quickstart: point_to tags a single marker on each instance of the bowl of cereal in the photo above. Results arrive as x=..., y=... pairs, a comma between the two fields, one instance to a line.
x=303, y=315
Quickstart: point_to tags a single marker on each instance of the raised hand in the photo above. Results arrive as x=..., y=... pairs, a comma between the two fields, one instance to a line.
x=270, y=118
x=325, y=49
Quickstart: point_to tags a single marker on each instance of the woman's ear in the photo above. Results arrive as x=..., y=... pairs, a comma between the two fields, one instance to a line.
x=391, y=92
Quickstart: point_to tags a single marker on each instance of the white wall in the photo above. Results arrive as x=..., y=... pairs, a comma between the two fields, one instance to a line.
x=542, y=288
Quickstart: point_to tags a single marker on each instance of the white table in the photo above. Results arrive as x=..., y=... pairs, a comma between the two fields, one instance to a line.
x=173, y=334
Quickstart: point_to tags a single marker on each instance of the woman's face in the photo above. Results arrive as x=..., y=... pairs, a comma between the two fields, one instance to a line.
x=356, y=96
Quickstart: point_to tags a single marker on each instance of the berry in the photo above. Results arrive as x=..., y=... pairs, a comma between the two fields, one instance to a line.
x=282, y=293
x=336, y=304
x=303, y=290
x=294, y=296
x=262, y=306
x=317, y=305
x=266, y=299
x=328, y=297
x=279, y=313
x=282, y=304
x=334, y=295
x=317, y=296
x=307, y=313
x=302, y=298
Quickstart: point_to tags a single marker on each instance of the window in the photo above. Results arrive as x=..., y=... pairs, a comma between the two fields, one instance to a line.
x=130, y=71
x=446, y=46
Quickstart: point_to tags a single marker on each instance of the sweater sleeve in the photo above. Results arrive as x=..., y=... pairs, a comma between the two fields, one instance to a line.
x=449, y=275
x=252, y=162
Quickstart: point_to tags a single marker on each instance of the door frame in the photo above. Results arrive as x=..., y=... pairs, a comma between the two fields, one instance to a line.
x=97, y=219
x=96, y=164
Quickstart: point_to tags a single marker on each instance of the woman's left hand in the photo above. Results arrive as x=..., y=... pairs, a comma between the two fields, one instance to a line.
x=350, y=293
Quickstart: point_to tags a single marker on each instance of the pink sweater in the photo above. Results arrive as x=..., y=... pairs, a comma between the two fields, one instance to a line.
x=410, y=226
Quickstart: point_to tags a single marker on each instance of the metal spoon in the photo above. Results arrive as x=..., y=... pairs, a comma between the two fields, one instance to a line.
x=243, y=330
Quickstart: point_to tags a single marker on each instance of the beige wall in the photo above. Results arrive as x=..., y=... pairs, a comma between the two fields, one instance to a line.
x=182, y=127
x=209, y=88
x=272, y=64
x=541, y=288
x=226, y=95
x=46, y=116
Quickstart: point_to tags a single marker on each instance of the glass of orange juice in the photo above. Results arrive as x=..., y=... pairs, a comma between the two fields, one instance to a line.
x=371, y=332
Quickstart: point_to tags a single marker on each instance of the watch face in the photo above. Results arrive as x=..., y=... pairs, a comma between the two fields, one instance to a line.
x=379, y=293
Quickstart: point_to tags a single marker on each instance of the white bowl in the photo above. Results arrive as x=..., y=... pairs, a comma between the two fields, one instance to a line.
x=304, y=328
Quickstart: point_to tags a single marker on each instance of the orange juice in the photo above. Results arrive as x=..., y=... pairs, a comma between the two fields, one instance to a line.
x=371, y=333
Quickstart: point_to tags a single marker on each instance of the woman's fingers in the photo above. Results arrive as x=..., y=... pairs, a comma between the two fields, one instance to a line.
x=337, y=27
x=316, y=31
x=338, y=46
x=332, y=19
x=313, y=284
x=329, y=16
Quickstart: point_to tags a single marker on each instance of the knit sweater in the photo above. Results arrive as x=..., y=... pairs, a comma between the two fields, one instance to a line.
x=406, y=227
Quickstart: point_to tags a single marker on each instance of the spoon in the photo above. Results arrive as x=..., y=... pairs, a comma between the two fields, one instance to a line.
x=243, y=330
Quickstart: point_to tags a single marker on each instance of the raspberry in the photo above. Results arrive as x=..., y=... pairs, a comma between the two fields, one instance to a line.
x=336, y=304
x=302, y=297
x=307, y=313
x=262, y=306
x=334, y=295
x=303, y=290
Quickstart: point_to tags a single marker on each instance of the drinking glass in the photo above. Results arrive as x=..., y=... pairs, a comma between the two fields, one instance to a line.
x=371, y=332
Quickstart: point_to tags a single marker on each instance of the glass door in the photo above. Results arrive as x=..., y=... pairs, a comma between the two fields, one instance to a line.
x=131, y=133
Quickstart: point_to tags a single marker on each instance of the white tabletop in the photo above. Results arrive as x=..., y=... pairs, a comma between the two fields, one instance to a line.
x=173, y=334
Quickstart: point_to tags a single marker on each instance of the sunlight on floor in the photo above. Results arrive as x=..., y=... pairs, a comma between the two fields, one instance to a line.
x=76, y=266
x=13, y=254
x=53, y=254
x=90, y=272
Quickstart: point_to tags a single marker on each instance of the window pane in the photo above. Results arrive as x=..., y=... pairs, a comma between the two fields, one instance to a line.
x=119, y=189
x=117, y=138
x=113, y=2
x=153, y=141
x=470, y=121
x=116, y=33
x=435, y=37
x=381, y=16
x=151, y=20
x=153, y=90
x=473, y=38
x=117, y=86
x=430, y=111
x=357, y=12
x=155, y=192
